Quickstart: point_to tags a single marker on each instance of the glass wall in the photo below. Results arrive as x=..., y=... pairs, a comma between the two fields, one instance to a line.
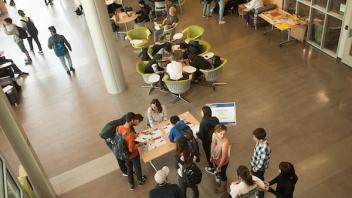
x=324, y=21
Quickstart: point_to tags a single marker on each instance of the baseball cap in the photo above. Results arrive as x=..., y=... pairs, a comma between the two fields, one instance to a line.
x=161, y=175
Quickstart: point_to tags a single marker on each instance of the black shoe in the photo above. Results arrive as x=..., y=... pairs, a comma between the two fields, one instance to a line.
x=144, y=178
x=68, y=73
x=23, y=74
x=72, y=69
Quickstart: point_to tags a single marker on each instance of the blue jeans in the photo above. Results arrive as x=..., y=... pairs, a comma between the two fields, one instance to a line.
x=63, y=62
x=206, y=9
x=221, y=9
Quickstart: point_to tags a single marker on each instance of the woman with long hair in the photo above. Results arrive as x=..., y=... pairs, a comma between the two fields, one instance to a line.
x=185, y=157
x=285, y=181
x=206, y=129
x=247, y=184
x=156, y=113
x=220, y=155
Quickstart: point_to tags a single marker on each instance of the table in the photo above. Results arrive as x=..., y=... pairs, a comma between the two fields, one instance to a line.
x=164, y=127
x=154, y=78
x=282, y=21
x=189, y=69
x=177, y=36
x=124, y=18
x=208, y=55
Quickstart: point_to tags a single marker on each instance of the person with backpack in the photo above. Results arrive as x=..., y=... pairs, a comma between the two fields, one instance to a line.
x=220, y=146
x=177, y=124
x=60, y=44
x=125, y=148
x=28, y=25
x=206, y=129
x=261, y=155
x=164, y=189
x=189, y=175
x=18, y=35
x=193, y=47
x=108, y=133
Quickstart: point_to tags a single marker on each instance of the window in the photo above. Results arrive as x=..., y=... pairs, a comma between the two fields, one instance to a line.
x=321, y=3
x=290, y=6
x=335, y=6
x=333, y=30
x=303, y=11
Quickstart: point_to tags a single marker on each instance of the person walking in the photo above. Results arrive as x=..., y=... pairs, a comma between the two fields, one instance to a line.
x=261, y=155
x=18, y=35
x=221, y=11
x=220, y=146
x=206, y=8
x=247, y=185
x=108, y=133
x=133, y=154
x=285, y=181
x=47, y=2
x=60, y=44
x=163, y=189
x=28, y=25
x=206, y=129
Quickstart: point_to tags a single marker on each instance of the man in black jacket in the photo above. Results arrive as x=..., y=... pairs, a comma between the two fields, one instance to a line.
x=199, y=63
x=109, y=131
x=164, y=189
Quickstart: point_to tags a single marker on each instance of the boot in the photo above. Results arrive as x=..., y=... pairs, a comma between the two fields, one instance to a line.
x=222, y=188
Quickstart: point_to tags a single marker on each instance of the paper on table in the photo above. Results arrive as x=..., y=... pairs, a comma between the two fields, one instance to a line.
x=167, y=128
x=159, y=142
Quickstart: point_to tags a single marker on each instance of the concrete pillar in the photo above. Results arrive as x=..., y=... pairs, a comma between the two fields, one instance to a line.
x=25, y=153
x=104, y=42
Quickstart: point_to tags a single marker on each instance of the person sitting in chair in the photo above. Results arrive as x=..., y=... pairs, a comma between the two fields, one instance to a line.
x=174, y=69
x=154, y=65
x=166, y=50
x=192, y=47
x=143, y=13
x=199, y=63
x=168, y=23
x=14, y=69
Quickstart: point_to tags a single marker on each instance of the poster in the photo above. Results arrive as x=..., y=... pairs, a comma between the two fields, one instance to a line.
x=225, y=112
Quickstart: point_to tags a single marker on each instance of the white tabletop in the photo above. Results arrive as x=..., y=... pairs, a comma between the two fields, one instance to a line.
x=208, y=55
x=154, y=78
x=136, y=41
x=189, y=69
x=178, y=36
x=157, y=26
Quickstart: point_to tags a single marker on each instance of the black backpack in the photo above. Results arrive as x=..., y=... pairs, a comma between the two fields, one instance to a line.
x=119, y=146
x=216, y=61
x=191, y=174
x=194, y=47
x=109, y=130
x=32, y=30
x=192, y=142
x=21, y=33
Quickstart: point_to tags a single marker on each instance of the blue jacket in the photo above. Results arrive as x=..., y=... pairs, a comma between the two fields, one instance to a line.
x=175, y=133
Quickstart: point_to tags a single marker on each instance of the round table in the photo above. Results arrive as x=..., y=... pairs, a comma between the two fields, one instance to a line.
x=136, y=41
x=153, y=78
x=208, y=55
x=189, y=69
x=178, y=36
x=175, y=47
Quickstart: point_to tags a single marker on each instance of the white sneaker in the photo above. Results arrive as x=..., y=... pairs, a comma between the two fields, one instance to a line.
x=222, y=22
x=124, y=174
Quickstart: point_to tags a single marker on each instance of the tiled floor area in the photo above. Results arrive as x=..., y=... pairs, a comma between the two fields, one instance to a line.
x=300, y=95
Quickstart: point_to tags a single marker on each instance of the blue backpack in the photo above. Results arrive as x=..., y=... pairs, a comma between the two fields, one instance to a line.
x=119, y=147
x=59, y=48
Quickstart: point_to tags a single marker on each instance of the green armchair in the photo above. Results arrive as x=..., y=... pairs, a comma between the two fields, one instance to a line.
x=139, y=33
x=192, y=32
x=178, y=87
x=212, y=75
x=140, y=68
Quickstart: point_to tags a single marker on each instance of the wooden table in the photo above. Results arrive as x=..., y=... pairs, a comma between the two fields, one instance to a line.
x=283, y=21
x=152, y=155
x=124, y=18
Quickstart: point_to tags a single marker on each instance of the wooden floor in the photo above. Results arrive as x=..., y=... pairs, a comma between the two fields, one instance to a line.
x=300, y=95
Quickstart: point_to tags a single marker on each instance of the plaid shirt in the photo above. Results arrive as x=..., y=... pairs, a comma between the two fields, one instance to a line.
x=261, y=156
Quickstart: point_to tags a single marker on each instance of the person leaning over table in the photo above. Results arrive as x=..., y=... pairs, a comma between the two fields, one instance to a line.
x=253, y=4
x=156, y=113
x=168, y=22
x=166, y=50
x=199, y=63
x=192, y=47
x=143, y=13
x=175, y=135
x=154, y=65
x=174, y=69
x=134, y=157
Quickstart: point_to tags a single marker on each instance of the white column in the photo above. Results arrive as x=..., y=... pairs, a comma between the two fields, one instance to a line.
x=104, y=42
x=25, y=153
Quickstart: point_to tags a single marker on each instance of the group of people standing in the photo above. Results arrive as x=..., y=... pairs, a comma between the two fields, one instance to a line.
x=216, y=145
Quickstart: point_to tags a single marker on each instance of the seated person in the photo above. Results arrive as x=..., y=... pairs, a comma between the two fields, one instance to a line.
x=13, y=66
x=115, y=28
x=177, y=124
x=154, y=65
x=192, y=47
x=174, y=69
x=253, y=4
x=199, y=63
x=168, y=22
x=113, y=5
x=166, y=50
x=143, y=13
